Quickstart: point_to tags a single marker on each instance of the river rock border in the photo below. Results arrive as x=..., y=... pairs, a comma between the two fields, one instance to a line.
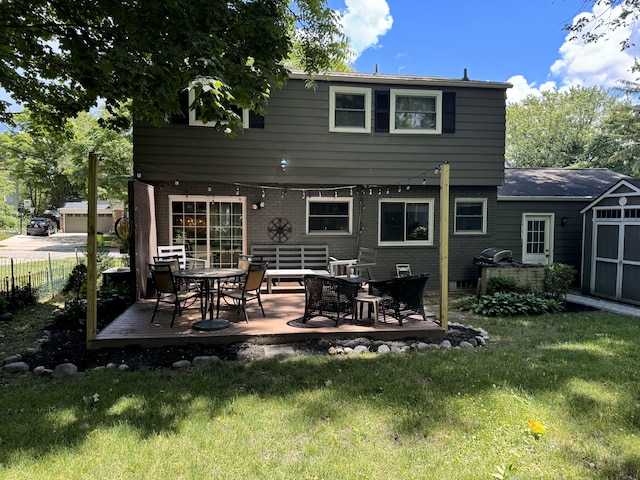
x=14, y=365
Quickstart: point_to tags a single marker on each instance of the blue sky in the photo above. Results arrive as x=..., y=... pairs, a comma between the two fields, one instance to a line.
x=516, y=41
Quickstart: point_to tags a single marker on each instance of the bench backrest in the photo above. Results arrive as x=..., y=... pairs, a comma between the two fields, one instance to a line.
x=314, y=257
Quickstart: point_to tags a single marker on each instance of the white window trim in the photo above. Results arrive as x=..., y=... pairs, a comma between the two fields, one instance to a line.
x=427, y=242
x=333, y=89
x=195, y=122
x=415, y=93
x=348, y=200
x=484, y=216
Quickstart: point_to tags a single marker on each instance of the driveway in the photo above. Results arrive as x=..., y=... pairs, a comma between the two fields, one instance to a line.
x=28, y=247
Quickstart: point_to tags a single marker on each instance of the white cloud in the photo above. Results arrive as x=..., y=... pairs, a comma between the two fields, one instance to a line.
x=364, y=21
x=587, y=64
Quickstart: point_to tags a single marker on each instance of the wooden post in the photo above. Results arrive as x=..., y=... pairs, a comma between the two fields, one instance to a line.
x=444, y=246
x=92, y=266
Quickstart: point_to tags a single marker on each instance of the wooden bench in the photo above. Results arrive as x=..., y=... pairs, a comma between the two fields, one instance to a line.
x=292, y=262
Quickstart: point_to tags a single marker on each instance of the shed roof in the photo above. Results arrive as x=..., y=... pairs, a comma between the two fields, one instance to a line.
x=556, y=183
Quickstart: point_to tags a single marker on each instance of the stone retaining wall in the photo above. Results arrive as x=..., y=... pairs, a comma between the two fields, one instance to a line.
x=528, y=275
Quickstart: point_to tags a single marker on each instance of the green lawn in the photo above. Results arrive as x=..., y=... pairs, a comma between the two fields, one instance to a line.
x=443, y=415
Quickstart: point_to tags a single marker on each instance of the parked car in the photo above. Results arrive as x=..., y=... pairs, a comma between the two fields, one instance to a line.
x=41, y=226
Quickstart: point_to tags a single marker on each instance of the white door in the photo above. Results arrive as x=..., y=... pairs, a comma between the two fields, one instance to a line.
x=537, y=238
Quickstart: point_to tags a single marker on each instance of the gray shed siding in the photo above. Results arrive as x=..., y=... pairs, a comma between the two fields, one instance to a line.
x=567, y=244
x=626, y=238
x=297, y=126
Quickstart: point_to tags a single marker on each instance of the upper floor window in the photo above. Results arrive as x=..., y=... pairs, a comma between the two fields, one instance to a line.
x=416, y=111
x=349, y=109
x=194, y=115
x=406, y=222
x=471, y=216
x=329, y=216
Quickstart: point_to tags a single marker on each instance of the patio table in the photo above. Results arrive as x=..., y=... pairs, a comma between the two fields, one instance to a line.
x=207, y=276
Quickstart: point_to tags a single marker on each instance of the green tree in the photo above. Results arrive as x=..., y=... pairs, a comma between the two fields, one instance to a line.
x=618, y=146
x=52, y=168
x=557, y=128
x=592, y=27
x=59, y=58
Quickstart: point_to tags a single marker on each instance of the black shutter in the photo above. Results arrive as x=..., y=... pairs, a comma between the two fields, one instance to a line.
x=448, y=112
x=183, y=118
x=382, y=99
x=255, y=120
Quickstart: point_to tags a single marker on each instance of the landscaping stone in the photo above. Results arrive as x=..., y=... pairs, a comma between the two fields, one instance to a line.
x=16, y=367
x=65, y=370
x=203, y=361
x=180, y=364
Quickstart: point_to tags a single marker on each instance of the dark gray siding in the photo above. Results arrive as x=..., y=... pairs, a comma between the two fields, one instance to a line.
x=567, y=244
x=297, y=126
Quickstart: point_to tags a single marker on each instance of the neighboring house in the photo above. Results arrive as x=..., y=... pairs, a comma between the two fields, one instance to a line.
x=74, y=214
x=539, y=217
x=611, y=257
x=348, y=164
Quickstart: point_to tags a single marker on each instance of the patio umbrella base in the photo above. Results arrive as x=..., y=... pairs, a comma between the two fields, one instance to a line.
x=209, y=325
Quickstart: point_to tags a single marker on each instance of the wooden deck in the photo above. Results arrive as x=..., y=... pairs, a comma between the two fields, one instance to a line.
x=282, y=310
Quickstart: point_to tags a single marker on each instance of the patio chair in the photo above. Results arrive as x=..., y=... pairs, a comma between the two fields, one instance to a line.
x=168, y=290
x=248, y=289
x=243, y=263
x=330, y=297
x=403, y=296
x=180, y=252
x=364, y=265
x=403, y=270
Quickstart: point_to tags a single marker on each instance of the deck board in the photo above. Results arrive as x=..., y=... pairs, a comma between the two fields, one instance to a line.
x=133, y=327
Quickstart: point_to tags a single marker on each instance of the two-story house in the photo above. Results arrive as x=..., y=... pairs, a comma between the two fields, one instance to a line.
x=350, y=163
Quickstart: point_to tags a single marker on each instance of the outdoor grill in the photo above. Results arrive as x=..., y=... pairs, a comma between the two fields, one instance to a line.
x=493, y=257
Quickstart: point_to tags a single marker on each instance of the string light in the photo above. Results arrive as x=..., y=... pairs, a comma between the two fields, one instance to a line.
x=263, y=194
x=304, y=194
x=209, y=188
x=176, y=182
x=370, y=191
x=335, y=194
x=237, y=190
x=379, y=191
x=399, y=188
x=424, y=181
x=351, y=191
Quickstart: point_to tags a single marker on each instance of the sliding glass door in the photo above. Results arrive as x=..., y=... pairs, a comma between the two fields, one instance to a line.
x=211, y=228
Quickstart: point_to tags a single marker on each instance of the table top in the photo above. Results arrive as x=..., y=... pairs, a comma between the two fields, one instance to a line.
x=195, y=273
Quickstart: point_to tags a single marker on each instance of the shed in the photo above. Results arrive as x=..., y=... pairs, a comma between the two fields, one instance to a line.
x=611, y=253
x=73, y=217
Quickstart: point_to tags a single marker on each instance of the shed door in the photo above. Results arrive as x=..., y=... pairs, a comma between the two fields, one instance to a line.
x=537, y=238
x=616, y=262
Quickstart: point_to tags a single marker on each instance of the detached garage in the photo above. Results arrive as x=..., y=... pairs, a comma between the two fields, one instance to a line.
x=611, y=254
x=73, y=217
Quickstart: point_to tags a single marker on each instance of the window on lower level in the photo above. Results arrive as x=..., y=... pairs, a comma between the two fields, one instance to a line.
x=349, y=109
x=471, y=216
x=406, y=222
x=416, y=111
x=329, y=216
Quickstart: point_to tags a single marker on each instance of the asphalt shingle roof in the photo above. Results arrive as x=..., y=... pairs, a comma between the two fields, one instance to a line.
x=585, y=183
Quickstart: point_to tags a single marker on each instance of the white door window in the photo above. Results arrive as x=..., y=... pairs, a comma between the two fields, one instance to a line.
x=537, y=238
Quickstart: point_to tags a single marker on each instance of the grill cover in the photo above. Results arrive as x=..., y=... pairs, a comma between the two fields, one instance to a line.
x=493, y=256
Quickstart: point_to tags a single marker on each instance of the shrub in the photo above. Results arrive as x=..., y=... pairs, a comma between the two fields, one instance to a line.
x=505, y=285
x=511, y=304
x=558, y=278
x=77, y=279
